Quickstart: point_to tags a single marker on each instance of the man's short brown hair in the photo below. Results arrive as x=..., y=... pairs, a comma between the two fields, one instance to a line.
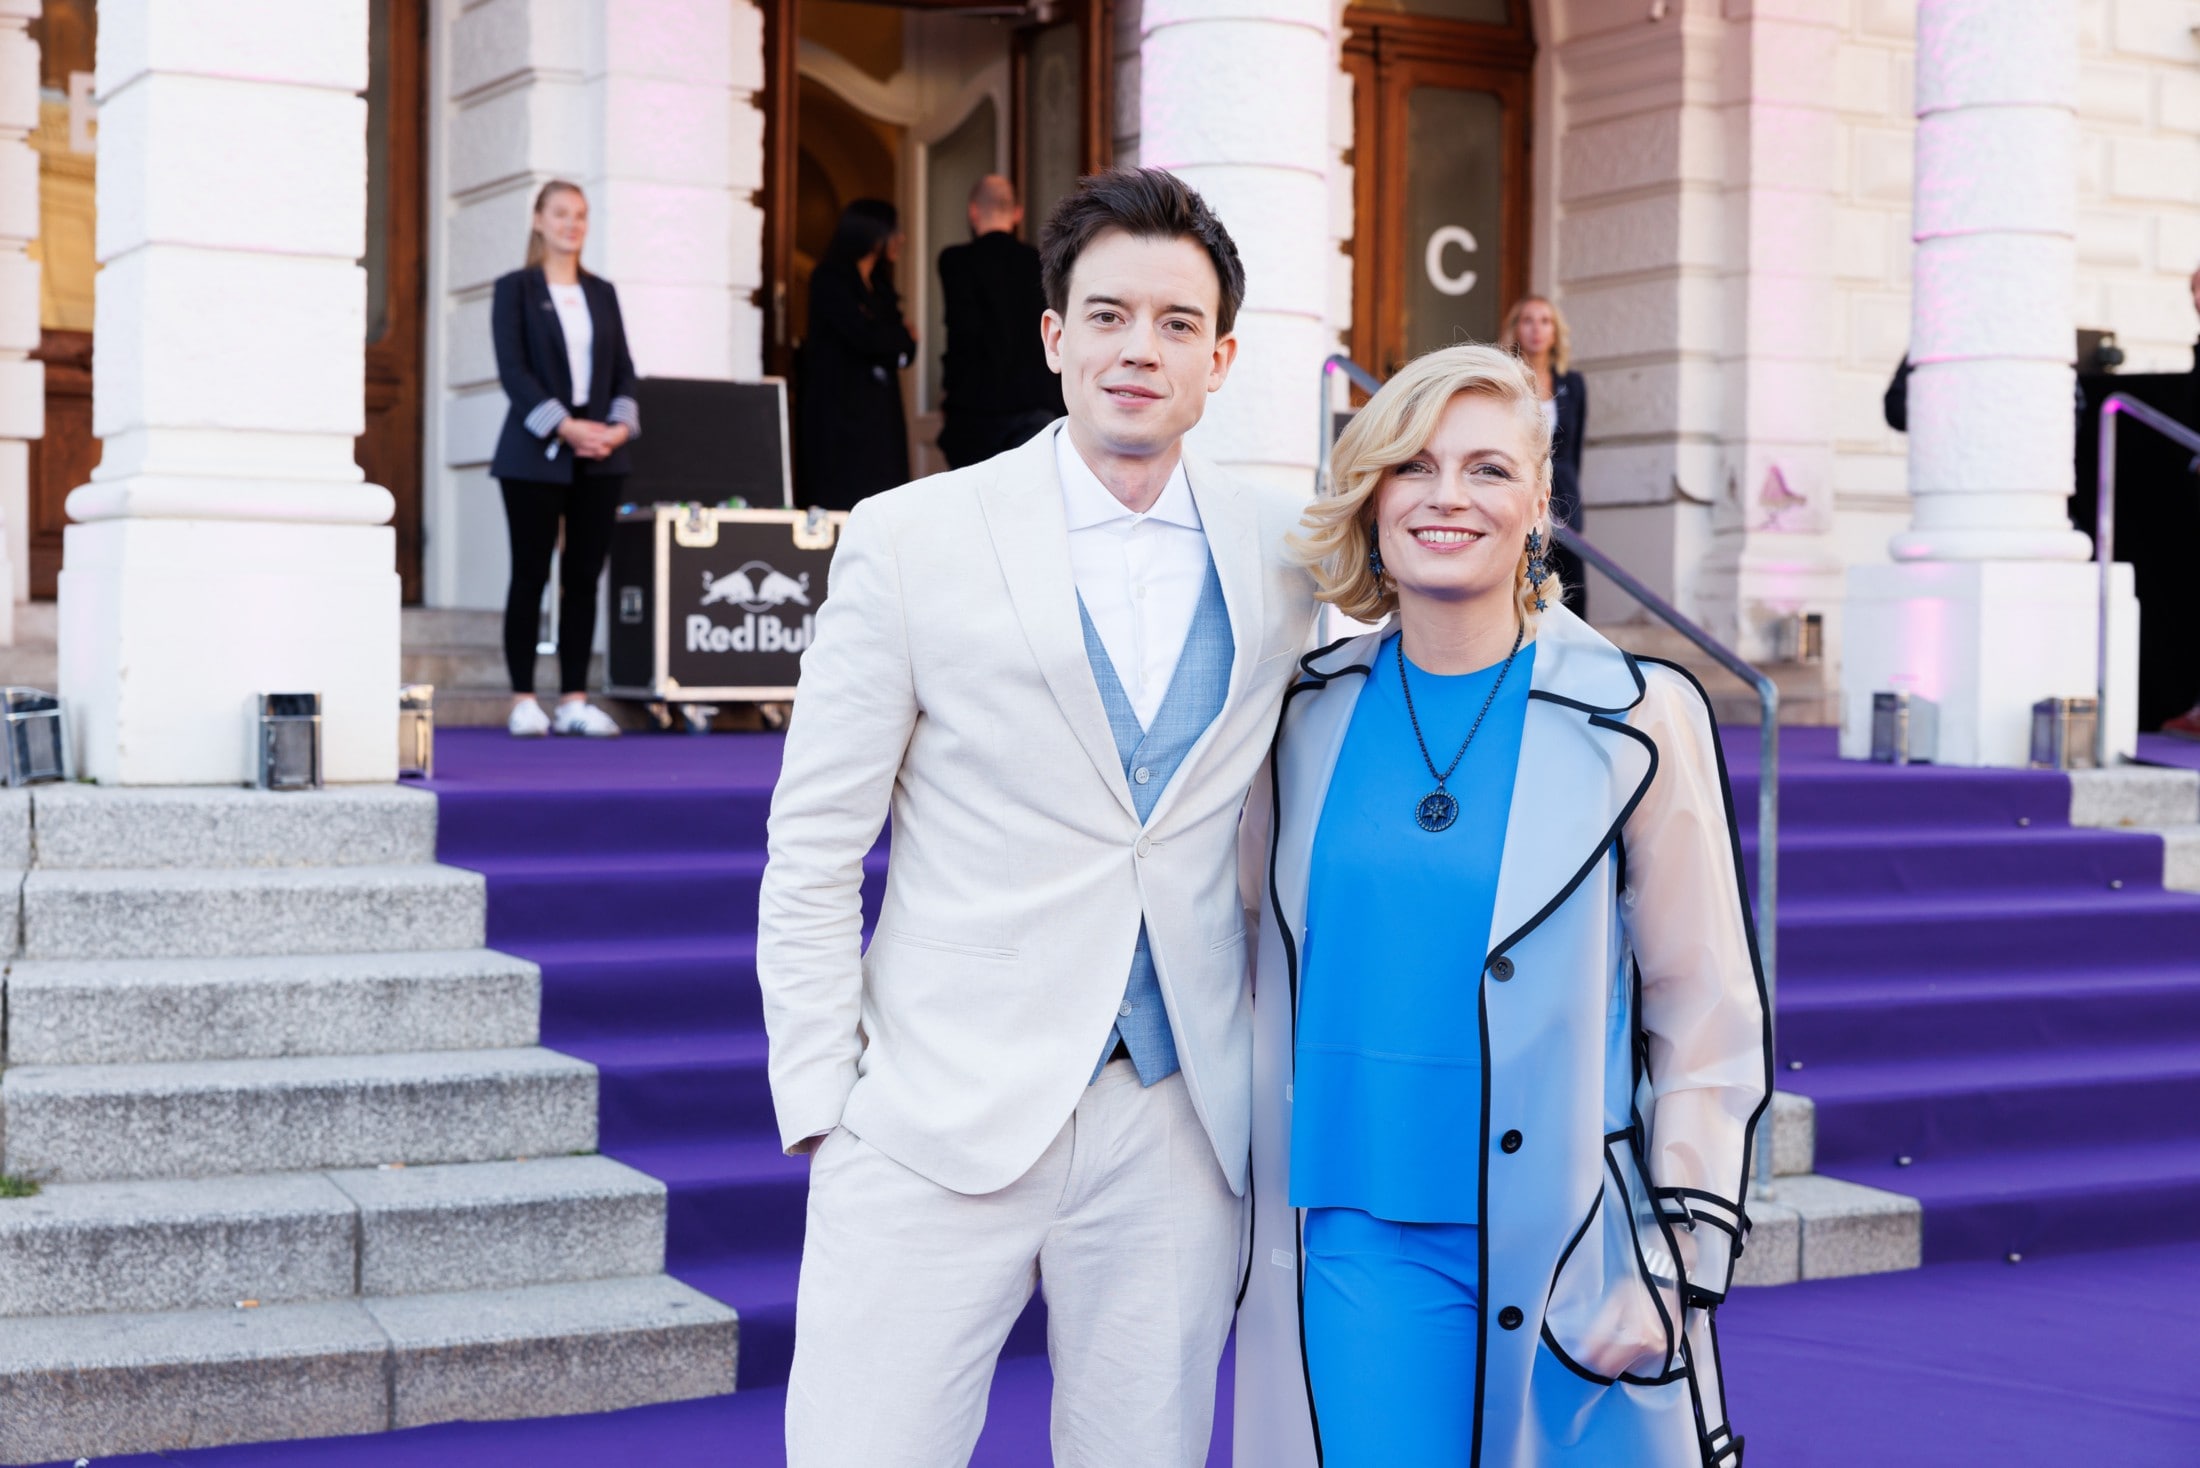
x=1148, y=204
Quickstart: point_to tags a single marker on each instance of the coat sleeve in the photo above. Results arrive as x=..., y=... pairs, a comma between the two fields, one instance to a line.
x=624, y=409
x=1703, y=1005
x=855, y=710
x=537, y=409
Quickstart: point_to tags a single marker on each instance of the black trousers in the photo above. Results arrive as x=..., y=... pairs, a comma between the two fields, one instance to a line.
x=532, y=510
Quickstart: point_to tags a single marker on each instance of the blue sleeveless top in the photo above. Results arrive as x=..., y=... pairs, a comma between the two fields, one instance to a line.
x=1387, y=1095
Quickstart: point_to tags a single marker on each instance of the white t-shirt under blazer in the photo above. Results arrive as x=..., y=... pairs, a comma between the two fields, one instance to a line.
x=1139, y=575
x=580, y=336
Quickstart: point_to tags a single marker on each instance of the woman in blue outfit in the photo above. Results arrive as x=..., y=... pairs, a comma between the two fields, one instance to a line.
x=1509, y=1032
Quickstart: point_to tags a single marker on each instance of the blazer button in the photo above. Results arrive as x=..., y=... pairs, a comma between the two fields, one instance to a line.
x=1510, y=1317
x=1510, y=1141
x=1501, y=968
x=1144, y=846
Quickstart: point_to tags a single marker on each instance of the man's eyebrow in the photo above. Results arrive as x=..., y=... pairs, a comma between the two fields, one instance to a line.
x=1125, y=305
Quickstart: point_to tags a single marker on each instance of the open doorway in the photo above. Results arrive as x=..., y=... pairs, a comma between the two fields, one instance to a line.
x=913, y=103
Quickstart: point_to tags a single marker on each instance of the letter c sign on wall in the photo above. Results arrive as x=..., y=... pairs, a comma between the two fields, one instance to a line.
x=1433, y=260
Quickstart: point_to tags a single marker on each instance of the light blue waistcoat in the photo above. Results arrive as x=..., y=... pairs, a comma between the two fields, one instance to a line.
x=1197, y=691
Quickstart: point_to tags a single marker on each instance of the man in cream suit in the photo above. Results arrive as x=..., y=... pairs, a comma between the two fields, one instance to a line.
x=1059, y=670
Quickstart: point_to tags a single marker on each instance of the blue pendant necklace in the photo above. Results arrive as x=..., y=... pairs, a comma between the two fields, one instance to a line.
x=1439, y=808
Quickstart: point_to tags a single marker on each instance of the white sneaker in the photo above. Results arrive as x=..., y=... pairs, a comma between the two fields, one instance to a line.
x=584, y=719
x=528, y=721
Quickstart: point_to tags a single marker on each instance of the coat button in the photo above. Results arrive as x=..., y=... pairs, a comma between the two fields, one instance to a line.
x=1510, y=1317
x=1510, y=1141
x=1144, y=846
x=1501, y=968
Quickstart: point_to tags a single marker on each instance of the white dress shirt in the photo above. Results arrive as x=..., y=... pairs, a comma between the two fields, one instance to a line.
x=1140, y=575
x=580, y=337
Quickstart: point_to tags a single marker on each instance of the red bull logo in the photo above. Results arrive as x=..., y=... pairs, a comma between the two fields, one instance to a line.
x=755, y=632
x=756, y=587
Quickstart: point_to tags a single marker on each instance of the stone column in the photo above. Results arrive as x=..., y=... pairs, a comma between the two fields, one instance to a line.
x=22, y=381
x=1990, y=604
x=1234, y=96
x=1773, y=507
x=227, y=545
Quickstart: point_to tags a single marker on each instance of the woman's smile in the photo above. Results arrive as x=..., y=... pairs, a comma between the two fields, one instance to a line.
x=1446, y=538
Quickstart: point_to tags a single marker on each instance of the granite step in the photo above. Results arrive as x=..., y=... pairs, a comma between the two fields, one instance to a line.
x=86, y=827
x=173, y=912
x=129, y=1010
x=201, y=1243
x=1814, y=1227
x=93, y=1123
x=89, y=1386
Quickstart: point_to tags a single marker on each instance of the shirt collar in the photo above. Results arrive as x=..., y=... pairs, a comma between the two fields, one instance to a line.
x=1088, y=503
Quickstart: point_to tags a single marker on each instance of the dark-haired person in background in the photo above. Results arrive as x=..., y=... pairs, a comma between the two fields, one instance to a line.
x=1000, y=390
x=1059, y=670
x=852, y=435
x=1536, y=332
x=562, y=358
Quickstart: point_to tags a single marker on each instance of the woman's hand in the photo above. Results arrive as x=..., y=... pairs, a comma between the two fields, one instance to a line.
x=591, y=440
x=1628, y=1334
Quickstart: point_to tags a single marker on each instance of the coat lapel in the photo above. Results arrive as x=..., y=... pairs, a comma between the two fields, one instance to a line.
x=1317, y=713
x=1231, y=522
x=1022, y=505
x=600, y=314
x=1578, y=777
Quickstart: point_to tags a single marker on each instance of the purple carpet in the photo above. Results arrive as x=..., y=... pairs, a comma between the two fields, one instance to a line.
x=2082, y=1358
x=1966, y=982
x=2165, y=749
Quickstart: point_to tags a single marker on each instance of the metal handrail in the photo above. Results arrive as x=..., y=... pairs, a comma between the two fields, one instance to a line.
x=2104, y=530
x=1768, y=700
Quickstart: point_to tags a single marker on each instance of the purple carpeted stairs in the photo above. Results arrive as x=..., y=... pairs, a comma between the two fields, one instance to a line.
x=1960, y=980
x=1996, y=1013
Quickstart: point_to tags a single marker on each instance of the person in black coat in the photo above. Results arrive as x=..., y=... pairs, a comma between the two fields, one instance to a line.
x=852, y=437
x=1000, y=390
x=1536, y=331
x=562, y=357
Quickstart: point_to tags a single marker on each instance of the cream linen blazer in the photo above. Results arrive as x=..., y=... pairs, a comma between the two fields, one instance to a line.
x=948, y=684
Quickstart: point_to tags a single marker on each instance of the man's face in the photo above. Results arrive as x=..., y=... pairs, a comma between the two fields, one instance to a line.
x=1137, y=350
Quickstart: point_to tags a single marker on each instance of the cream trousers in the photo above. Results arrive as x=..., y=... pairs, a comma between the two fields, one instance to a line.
x=908, y=1291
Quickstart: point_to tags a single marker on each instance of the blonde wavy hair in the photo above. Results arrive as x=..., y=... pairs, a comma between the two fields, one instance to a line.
x=1337, y=530
x=1562, y=336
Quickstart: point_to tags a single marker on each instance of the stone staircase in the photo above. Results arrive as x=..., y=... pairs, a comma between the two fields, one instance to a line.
x=2146, y=798
x=300, y=1166
x=1812, y=1227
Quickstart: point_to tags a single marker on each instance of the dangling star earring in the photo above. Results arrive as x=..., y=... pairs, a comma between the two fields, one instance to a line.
x=1539, y=569
x=1375, y=562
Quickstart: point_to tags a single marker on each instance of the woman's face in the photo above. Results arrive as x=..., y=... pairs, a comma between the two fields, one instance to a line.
x=1451, y=520
x=563, y=220
x=1537, y=329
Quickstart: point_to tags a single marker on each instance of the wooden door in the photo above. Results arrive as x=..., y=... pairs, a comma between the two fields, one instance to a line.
x=390, y=450
x=65, y=457
x=1441, y=154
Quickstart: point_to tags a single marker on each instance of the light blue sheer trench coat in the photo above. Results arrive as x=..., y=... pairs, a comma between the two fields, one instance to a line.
x=1623, y=1037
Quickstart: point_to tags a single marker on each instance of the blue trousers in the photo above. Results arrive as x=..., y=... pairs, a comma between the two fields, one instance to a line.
x=1393, y=1324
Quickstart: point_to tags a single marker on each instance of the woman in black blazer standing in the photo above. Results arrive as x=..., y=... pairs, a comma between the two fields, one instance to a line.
x=1536, y=332
x=853, y=437
x=561, y=355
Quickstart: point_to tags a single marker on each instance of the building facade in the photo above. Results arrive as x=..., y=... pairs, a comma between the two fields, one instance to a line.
x=1725, y=197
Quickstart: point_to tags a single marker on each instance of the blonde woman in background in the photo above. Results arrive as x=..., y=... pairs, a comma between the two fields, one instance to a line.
x=1535, y=330
x=563, y=362
x=1509, y=1031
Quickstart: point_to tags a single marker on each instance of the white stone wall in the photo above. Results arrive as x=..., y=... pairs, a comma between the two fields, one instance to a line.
x=2139, y=176
x=650, y=105
x=22, y=381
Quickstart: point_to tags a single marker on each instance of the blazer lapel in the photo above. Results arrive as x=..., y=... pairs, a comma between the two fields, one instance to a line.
x=1231, y=522
x=1023, y=514
x=545, y=310
x=1580, y=773
x=601, y=314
